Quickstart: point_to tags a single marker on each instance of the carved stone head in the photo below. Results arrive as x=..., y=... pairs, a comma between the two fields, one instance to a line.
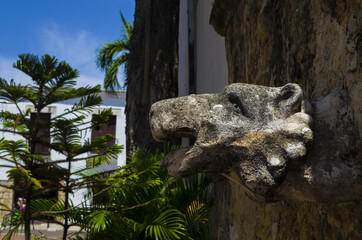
x=253, y=132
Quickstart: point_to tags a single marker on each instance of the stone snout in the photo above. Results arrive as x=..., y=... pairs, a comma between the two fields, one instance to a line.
x=251, y=134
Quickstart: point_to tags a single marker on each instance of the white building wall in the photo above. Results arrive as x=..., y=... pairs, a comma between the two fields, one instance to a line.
x=183, y=51
x=211, y=66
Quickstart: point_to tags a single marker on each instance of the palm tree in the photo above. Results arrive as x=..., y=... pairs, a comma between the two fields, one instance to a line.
x=111, y=56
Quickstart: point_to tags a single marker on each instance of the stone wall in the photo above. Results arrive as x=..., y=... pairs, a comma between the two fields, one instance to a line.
x=316, y=44
x=6, y=198
x=236, y=217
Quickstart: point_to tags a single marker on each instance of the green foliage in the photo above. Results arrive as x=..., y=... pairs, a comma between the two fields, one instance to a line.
x=143, y=202
x=24, y=177
x=169, y=224
x=47, y=72
x=99, y=220
x=53, y=207
x=111, y=56
x=11, y=231
x=139, y=201
x=10, y=91
x=36, y=175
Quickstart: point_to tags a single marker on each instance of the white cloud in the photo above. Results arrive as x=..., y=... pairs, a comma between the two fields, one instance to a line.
x=8, y=72
x=78, y=49
x=85, y=80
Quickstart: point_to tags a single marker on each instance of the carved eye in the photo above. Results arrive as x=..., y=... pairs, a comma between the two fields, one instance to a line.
x=290, y=98
x=236, y=101
x=286, y=92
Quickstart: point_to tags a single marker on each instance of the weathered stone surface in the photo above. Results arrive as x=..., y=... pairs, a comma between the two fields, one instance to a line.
x=257, y=136
x=6, y=198
x=221, y=15
x=238, y=217
x=254, y=131
x=317, y=44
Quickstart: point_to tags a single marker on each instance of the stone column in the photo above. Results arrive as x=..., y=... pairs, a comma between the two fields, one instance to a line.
x=316, y=44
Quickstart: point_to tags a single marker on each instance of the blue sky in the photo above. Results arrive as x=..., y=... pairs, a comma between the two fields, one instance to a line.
x=71, y=30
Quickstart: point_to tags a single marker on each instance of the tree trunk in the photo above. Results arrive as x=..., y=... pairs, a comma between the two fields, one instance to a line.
x=152, y=67
x=66, y=202
x=66, y=206
x=27, y=214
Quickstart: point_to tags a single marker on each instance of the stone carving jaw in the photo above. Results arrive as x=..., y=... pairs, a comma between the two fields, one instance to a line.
x=254, y=131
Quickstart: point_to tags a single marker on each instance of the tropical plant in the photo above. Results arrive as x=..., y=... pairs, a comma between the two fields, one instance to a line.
x=111, y=56
x=67, y=141
x=143, y=202
x=33, y=172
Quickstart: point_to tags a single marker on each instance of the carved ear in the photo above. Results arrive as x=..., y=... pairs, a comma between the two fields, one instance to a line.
x=290, y=98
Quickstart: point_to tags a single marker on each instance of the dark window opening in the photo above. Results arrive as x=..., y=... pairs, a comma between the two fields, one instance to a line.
x=109, y=128
x=43, y=133
x=100, y=197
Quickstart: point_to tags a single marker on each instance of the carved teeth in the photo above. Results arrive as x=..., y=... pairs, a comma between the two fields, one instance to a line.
x=295, y=150
x=274, y=161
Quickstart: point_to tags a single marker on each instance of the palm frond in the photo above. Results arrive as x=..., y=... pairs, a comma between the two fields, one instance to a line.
x=111, y=56
x=128, y=27
x=41, y=206
x=99, y=220
x=111, y=79
x=12, y=231
x=168, y=224
x=108, y=52
x=195, y=216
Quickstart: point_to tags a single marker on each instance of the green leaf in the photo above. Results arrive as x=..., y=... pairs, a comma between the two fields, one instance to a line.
x=112, y=55
x=23, y=175
x=99, y=220
x=169, y=224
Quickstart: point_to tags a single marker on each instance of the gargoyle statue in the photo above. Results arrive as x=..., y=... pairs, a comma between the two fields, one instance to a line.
x=251, y=134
